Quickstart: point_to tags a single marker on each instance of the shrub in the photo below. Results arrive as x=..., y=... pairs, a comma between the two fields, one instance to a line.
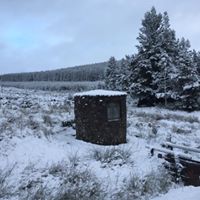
x=5, y=189
x=45, y=132
x=74, y=160
x=32, y=124
x=34, y=190
x=79, y=185
x=57, y=169
x=154, y=183
x=64, y=107
x=76, y=183
x=32, y=186
x=112, y=156
x=180, y=130
x=60, y=168
x=71, y=183
x=47, y=120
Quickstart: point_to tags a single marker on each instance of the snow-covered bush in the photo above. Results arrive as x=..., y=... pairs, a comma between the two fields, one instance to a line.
x=76, y=183
x=146, y=130
x=79, y=185
x=32, y=123
x=35, y=191
x=46, y=132
x=59, y=169
x=47, y=120
x=131, y=189
x=4, y=126
x=5, y=189
x=71, y=182
x=180, y=130
x=66, y=106
x=156, y=182
x=39, y=194
x=112, y=156
x=74, y=160
x=152, y=184
x=32, y=185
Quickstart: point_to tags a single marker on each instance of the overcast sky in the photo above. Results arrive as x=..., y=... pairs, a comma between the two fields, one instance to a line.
x=48, y=34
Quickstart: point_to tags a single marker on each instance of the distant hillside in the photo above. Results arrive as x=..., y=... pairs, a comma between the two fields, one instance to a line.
x=90, y=72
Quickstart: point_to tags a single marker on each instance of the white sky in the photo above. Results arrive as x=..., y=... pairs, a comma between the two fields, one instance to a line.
x=48, y=34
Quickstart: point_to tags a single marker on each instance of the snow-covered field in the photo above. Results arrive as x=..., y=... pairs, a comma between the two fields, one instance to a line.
x=40, y=157
x=55, y=85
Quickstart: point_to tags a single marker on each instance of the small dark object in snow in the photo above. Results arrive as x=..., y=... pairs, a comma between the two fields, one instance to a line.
x=69, y=123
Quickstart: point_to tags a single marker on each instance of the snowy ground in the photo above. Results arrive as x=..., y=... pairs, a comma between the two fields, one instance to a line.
x=39, y=157
x=184, y=193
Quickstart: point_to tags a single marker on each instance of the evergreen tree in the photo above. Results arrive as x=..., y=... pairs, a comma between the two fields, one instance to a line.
x=187, y=81
x=166, y=63
x=155, y=60
x=163, y=70
x=122, y=82
x=111, y=74
x=141, y=75
x=187, y=73
x=196, y=61
x=147, y=57
x=162, y=78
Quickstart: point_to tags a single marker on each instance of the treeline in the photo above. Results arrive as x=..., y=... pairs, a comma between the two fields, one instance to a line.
x=91, y=72
x=165, y=70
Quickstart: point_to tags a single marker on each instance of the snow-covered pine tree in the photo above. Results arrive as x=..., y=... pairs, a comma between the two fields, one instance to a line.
x=145, y=61
x=162, y=79
x=196, y=61
x=122, y=82
x=187, y=72
x=154, y=60
x=165, y=77
x=187, y=82
x=141, y=74
x=111, y=74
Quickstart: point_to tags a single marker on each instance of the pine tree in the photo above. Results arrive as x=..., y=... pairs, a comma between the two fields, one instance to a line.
x=154, y=62
x=162, y=79
x=111, y=74
x=122, y=82
x=142, y=77
x=167, y=61
x=163, y=70
x=148, y=36
x=187, y=80
x=147, y=55
x=196, y=61
x=187, y=72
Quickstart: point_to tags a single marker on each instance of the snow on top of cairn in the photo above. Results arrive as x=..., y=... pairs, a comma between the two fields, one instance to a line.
x=101, y=93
